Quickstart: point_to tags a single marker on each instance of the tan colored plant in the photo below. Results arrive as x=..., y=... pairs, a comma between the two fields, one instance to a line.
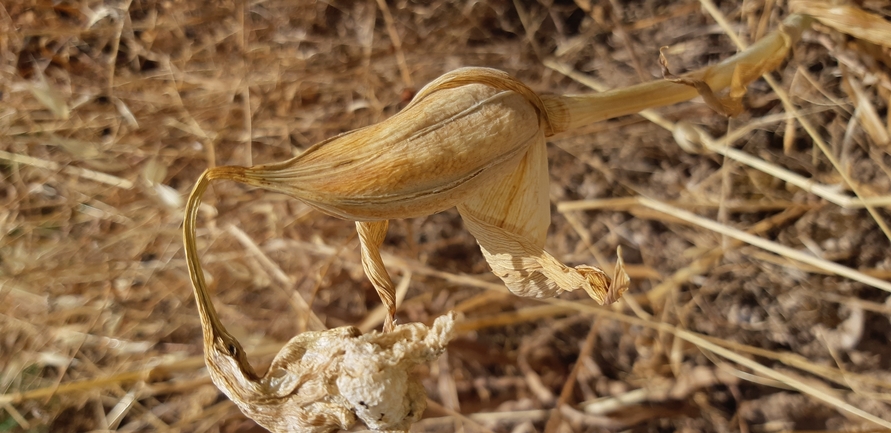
x=472, y=139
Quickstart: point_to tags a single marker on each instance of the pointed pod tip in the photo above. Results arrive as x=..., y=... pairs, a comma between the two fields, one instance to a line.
x=601, y=287
x=598, y=282
x=620, y=282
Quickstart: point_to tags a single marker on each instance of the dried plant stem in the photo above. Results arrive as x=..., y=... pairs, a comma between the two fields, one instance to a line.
x=660, y=93
x=380, y=314
x=828, y=192
x=458, y=415
x=705, y=261
x=187, y=364
x=811, y=130
x=704, y=343
x=766, y=244
x=556, y=419
x=641, y=98
x=74, y=171
x=694, y=136
x=209, y=320
x=787, y=379
x=15, y=415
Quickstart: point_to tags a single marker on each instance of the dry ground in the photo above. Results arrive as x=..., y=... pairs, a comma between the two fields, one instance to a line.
x=109, y=111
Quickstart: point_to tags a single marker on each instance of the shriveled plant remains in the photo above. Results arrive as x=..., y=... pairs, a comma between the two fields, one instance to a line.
x=757, y=245
x=472, y=139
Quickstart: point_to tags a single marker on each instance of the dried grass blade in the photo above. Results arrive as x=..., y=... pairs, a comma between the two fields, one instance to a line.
x=787, y=379
x=867, y=115
x=75, y=171
x=767, y=245
x=849, y=19
x=702, y=342
x=790, y=107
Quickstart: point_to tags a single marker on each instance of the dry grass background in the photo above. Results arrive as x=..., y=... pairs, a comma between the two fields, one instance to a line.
x=110, y=110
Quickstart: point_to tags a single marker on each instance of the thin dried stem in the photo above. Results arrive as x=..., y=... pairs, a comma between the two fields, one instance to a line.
x=763, y=56
x=767, y=245
x=806, y=124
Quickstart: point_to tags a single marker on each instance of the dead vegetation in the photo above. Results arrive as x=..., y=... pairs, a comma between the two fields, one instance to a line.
x=757, y=246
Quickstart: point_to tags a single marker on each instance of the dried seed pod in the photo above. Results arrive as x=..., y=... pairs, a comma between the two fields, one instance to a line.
x=474, y=138
x=462, y=131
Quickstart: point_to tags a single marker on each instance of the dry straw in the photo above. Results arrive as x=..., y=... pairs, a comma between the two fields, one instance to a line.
x=472, y=139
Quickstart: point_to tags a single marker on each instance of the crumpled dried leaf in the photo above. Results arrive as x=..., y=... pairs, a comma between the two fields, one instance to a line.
x=510, y=220
x=325, y=380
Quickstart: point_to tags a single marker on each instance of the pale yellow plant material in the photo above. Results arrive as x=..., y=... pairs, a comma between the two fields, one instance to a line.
x=50, y=96
x=322, y=381
x=847, y=18
x=729, y=105
x=474, y=139
x=744, y=73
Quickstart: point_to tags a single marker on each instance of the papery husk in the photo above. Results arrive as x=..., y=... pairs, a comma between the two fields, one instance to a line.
x=510, y=219
x=473, y=138
x=460, y=132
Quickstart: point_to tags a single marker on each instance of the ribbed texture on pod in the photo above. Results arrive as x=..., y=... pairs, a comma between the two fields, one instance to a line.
x=460, y=132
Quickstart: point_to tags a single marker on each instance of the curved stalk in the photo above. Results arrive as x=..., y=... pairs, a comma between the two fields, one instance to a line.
x=759, y=59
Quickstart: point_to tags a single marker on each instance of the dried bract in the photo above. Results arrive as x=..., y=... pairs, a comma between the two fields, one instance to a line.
x=474, y=138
